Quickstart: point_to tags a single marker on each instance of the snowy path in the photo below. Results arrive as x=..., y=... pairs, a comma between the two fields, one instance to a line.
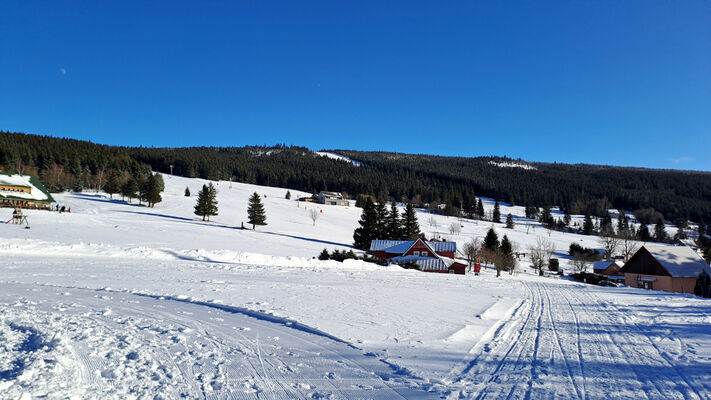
x=106, y=344
x=569, y=343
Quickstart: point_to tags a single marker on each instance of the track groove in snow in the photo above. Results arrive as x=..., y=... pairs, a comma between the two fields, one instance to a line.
x=569, y=344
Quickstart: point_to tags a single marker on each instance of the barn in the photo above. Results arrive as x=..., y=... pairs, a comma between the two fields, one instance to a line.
x=668, y=268
x=429, y=256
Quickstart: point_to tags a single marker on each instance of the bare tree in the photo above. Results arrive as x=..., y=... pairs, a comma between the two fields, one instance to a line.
x=541, y=253
x=628, y=244
x=455, y=228
x=432, y=221
x=581, y=264
x=609, y=242
x=471, y=251
x=314, y=213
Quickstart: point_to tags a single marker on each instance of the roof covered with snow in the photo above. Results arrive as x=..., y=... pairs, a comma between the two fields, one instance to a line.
x=601, y=265
x=679, y=261
x=401, y=246
x=37, y=190
x=427, y=263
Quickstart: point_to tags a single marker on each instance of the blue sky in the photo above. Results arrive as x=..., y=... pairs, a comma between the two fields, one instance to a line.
x=605, y=82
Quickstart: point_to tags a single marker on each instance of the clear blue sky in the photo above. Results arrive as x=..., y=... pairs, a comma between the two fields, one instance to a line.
x=608, y=82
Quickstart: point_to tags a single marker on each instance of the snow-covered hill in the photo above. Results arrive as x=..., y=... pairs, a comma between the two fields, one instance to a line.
x=116, y=300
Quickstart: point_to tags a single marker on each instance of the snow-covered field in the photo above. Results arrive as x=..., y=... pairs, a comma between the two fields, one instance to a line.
x=117, y=300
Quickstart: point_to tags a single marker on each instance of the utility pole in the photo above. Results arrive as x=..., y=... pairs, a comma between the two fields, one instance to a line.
x=171, y=169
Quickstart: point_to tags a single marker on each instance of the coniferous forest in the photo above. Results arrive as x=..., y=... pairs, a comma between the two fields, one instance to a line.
x=417, y=179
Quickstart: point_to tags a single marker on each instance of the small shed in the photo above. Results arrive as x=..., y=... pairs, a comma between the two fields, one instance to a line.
x=607, y=268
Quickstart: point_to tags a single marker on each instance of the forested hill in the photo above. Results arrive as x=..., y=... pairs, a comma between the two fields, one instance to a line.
x=73, y=164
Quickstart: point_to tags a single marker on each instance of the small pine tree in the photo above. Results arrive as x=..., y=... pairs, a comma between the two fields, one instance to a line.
x=496, y=216
x=566, y=217
x=288, y=195
x=187, y=192
x=588, y=226
x=206, y=204
x=255, y=211
x=480, y=208
x=510, y=221
x=324, y=255
x=410, y=227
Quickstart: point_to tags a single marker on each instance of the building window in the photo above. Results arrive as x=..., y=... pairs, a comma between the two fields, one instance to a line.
x=417, y=253
x=424, y=254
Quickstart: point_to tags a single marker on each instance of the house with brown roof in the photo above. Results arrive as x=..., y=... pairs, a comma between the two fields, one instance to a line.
x=668, y=268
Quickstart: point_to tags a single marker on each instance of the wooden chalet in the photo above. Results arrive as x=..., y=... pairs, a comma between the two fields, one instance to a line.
x=23, y=191
x=429, y=256
x=668, y=268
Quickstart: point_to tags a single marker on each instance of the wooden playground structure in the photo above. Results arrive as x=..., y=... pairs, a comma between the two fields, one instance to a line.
x=18, y=218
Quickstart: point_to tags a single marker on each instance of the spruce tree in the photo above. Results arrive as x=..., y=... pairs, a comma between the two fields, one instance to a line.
x=206, y=204
x=491, y=241
x=288, y=195
x=255, y=211
x=588, y=226
x=114, y=184
x=324, y=255
x=480, y=208
x=643, y=233
x=566, y=217
x=393, y=224
x=187, y=192
x=506, y=248
x=365, y=234
x=153, y=188
x=410, y=227
x=510, y=221
x=381, y=228
x=129, y=189
x=701, y=229
x=546, y=216
x=660, y=234
x=496, y=216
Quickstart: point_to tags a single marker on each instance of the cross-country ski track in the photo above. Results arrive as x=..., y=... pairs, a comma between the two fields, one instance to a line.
x=566, y=342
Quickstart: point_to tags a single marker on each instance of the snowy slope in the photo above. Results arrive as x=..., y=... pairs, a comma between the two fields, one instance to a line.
x=115, y=300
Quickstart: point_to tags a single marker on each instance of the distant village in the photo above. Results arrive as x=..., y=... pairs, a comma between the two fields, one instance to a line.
x=671, y=268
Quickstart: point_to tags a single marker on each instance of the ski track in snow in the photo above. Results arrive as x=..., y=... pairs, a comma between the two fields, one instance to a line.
x=568, y=343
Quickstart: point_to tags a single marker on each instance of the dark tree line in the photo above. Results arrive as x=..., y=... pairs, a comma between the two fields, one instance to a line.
x=376, y=222
x=416, y=179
